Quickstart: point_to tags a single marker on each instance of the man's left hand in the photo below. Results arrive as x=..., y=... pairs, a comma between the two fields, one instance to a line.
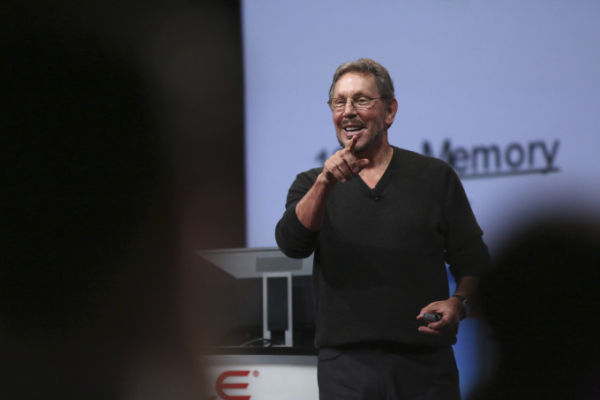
x=450, y=310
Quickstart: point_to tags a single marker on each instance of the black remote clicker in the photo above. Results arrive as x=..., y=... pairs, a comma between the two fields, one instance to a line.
x=432, y=317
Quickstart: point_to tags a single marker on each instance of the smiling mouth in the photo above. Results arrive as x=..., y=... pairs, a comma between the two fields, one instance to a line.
x=352, y=130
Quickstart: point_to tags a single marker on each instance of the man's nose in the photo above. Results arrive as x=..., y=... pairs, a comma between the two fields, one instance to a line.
x=349, y=108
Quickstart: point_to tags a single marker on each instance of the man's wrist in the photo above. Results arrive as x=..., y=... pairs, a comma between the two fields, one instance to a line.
x=464, y=305
x=324, y=181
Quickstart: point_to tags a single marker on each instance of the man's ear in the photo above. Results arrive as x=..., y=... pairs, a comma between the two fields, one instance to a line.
x=390, y=112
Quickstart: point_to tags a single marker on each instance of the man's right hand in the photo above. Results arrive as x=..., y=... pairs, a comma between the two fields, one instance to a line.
x=340, y=167
x=343, y=164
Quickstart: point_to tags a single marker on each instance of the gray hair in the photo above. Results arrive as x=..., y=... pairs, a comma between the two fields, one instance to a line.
x=384, y=83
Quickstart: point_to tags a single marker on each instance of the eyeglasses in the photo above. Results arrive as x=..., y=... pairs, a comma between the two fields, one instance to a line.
x=360, y=103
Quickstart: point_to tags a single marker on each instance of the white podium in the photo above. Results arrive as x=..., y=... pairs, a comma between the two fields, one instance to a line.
x=281, y=372
x=261, y=377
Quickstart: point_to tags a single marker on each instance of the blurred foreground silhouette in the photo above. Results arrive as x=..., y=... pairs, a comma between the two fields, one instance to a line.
x=541, y=301
x=101, y=206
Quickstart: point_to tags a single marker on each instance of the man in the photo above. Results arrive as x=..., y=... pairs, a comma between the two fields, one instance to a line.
x=382, y=223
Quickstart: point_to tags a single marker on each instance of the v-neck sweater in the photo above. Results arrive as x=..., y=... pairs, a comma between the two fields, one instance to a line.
x=381, y=253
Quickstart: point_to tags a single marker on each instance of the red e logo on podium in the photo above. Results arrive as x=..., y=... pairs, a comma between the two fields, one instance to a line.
x=223, y=385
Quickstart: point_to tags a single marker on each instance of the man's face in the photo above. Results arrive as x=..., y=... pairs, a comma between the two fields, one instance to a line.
x=367, y=124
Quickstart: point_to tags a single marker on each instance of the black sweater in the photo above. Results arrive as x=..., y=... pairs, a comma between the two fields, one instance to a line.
x=381, y=253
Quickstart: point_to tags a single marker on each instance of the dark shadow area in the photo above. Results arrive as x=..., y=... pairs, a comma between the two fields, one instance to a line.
x=541, y=302
x=121, y=155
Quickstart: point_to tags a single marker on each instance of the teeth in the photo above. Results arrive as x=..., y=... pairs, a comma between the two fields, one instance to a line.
x=353, y=129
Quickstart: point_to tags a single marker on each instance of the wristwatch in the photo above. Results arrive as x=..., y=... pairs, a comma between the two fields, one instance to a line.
x=466, y=306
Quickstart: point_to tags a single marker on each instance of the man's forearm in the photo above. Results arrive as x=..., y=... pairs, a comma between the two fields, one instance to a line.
x=467, y=286
x=311, y=208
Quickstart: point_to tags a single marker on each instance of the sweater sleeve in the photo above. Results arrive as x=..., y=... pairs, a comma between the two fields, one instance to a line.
x=466, y=253
x=293, y=238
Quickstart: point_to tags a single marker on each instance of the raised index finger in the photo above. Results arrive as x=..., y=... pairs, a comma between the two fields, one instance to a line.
x=351, y=144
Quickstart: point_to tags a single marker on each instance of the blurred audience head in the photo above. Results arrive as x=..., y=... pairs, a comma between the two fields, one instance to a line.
x=541, y=301
x=92, y=263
